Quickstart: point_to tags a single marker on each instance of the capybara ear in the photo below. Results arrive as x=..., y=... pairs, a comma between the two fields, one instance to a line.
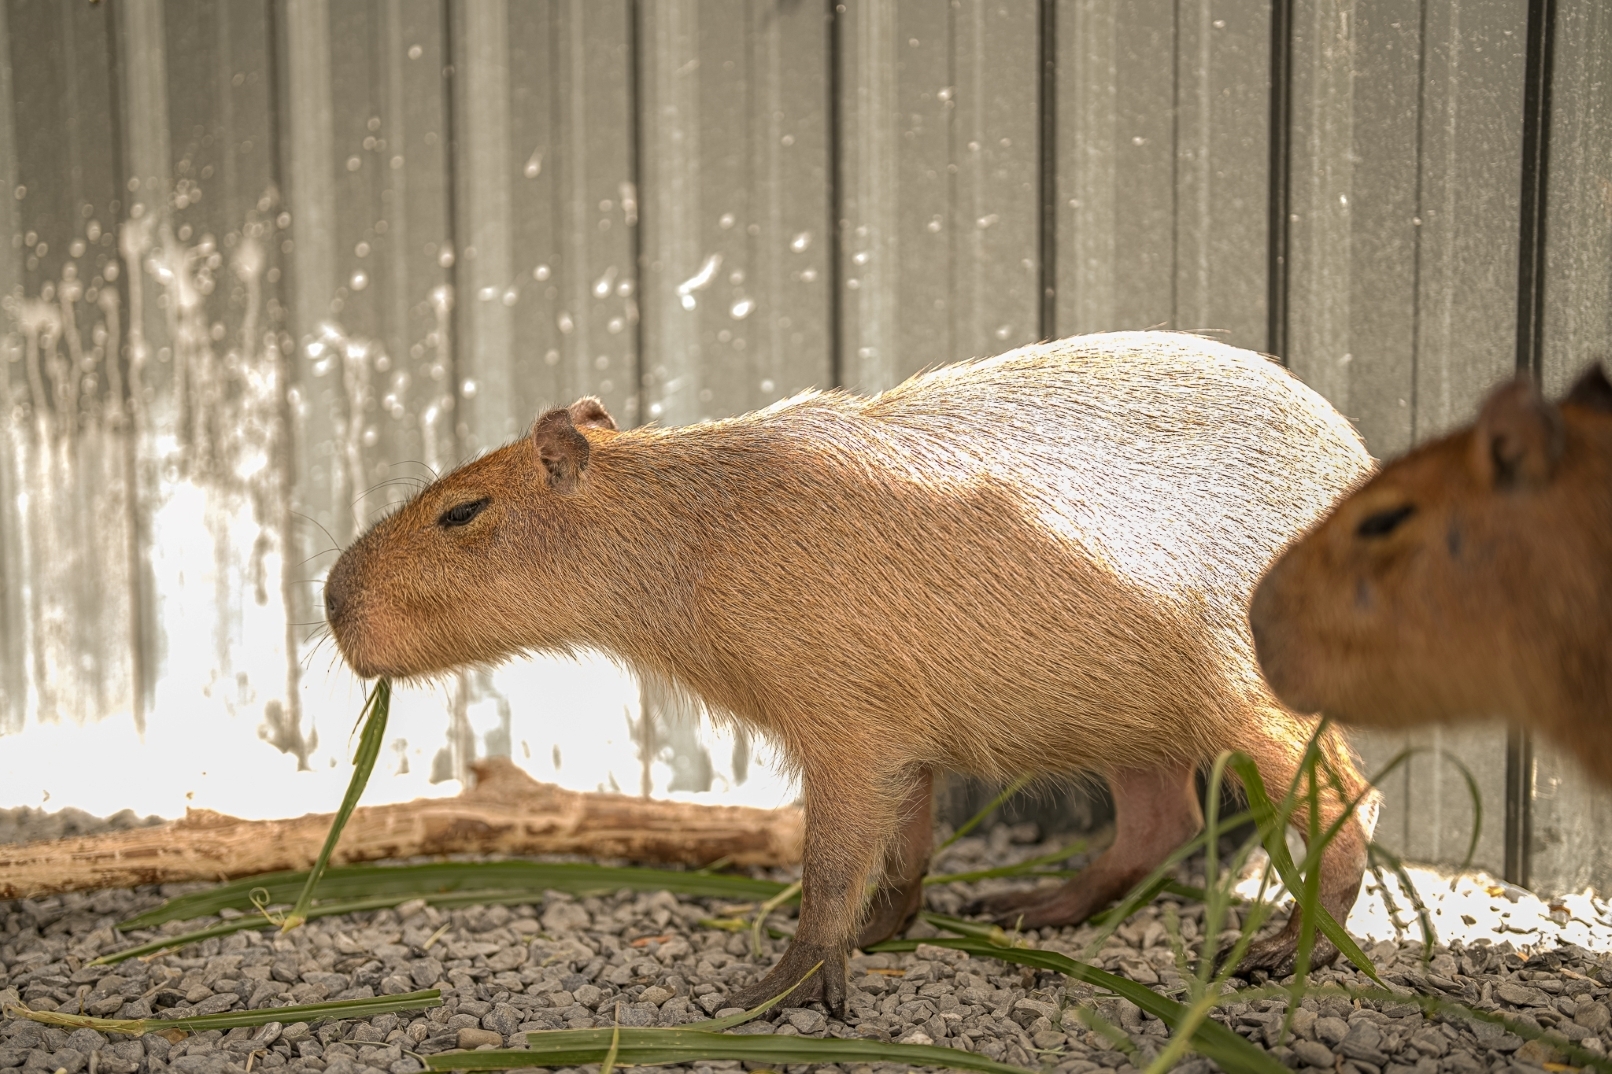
x=589, y=413
x=1518, y=438
x=561, y=449
x=1592, y=390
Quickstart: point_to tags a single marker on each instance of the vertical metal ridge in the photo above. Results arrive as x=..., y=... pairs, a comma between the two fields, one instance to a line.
x=141, y=688
x=1519, y=805
x=1417, y=218
x=1281, y=160
x=635, y=176
x=450, y=141
x=836, y=202
x=1175, y=166
x=1535, y=169
x=1530, y=345
x=1047, y=104
x=287, y=349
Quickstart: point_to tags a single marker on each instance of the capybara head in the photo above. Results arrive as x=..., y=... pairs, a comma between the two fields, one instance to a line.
x=1467, y=579
x=418, y=592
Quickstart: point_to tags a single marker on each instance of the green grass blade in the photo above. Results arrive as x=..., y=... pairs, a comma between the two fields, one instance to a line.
x=1149, y=887
x=425, y=880
x=640, y=1047
x=323, y=909
x=369, y=748
x=978, y=818
x=1209, y=1039
x=1032, y=867
x=788, y=893
x=305, y=1012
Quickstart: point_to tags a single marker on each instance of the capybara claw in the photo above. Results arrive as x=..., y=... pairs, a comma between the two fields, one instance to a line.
x=825, y=984
x=1278, y=955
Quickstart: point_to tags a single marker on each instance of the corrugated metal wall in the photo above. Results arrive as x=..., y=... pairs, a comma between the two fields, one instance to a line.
x=285, y=255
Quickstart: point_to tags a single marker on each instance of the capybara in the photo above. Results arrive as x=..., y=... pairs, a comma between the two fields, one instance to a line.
x=1470, y=579
x=1039, y=562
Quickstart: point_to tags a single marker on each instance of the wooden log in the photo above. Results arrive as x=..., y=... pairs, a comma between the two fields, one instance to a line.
x=506, y=812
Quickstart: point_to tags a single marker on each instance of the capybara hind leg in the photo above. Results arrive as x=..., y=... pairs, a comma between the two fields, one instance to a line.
x=1343, y=862
x=850, y=816
x=900, y=893
x=1155, y=811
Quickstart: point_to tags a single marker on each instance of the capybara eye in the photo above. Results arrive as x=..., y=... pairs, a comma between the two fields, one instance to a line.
x=461, y=513
x=1383, y=523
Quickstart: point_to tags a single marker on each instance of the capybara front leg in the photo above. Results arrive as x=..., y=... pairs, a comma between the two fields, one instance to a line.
x=900, y=893
x=849, y=820
x=1155, y=811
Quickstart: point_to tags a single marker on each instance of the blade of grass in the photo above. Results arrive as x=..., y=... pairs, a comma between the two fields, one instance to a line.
x=1376, y=855
x=369, y=748
x=609, y=1063
x=425, y=880
x=991, y=807
x=306, y=1012
x=792, y=891
x=330, y=909
x=1032, y=867
x=642, y=1047
x=1158, y=880
x=1210, y=1039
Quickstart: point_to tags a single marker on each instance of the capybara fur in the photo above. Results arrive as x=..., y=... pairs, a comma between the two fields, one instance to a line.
x=1470, y=579
x=1033, y=563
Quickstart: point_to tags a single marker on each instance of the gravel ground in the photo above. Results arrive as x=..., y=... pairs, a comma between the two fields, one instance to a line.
x=646, y=959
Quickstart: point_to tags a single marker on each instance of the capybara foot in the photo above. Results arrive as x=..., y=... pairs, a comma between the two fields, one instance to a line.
x=1278, y=955
x=826, y=984
x=892, y=911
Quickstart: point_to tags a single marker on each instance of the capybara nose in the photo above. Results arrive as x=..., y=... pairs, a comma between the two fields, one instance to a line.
x=335, y=595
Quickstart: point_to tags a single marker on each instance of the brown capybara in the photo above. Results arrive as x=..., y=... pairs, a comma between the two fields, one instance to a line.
x=1039, y=562
x=1471, y=578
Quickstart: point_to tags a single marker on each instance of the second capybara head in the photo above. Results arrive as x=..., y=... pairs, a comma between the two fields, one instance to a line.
x=1469, y=579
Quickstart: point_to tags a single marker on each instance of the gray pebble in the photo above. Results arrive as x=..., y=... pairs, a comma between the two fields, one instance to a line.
x=805, y=1020
x=69, y=1059
x=1312, y=1053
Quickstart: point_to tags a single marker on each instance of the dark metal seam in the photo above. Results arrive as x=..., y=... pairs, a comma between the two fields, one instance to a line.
x=1530, y=347
x=1048, y=106
x=1280, y=165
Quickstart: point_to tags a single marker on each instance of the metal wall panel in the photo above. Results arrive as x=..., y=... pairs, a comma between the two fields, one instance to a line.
x=995, y=254
x=361, y=240
x=1397, y=185
x=1162, y=182
x=736, y=246
x=1116, y=151
x=1471, y=160
x=939, y=239
x=574, y=207
x=14, y=644
x=1222, y=168
x=735, y=166
x=1572, y=814
x=69, y=597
